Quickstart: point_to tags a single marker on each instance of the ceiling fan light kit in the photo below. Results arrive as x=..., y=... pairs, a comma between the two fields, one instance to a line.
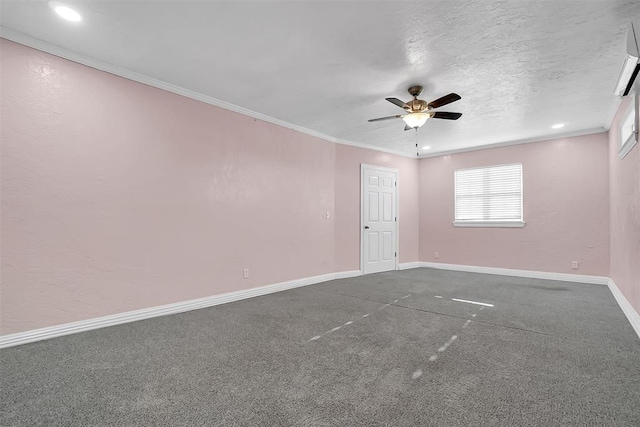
x=419, y=111
x=415, y=120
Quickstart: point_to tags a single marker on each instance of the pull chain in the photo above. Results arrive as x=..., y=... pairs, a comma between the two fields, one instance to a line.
x=417, y=151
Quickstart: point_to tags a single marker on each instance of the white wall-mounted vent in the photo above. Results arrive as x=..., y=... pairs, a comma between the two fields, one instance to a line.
x=631, y=64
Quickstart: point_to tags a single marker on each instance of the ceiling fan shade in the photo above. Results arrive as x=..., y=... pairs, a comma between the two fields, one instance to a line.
x=447, y=99
x=415, y=120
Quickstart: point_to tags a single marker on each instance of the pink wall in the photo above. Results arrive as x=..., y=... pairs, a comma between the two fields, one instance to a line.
x=347, y=203
x=624, y=180
x=566, y=192
x=118, y=196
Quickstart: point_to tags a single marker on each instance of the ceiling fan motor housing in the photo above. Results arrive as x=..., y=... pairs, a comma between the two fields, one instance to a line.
x=416, y=106
x=415, y=91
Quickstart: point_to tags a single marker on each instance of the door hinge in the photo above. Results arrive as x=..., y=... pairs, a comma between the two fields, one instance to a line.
x=396, y=219
x=396, y=255
x=396, y=183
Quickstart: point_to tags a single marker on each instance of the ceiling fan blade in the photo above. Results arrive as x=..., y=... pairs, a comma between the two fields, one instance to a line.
x=447, y=99
x=445, y=115
x=397, y=102
x=399, y=116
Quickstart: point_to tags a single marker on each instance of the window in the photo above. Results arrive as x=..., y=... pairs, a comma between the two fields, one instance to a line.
x=628, y=131
x=489, y=197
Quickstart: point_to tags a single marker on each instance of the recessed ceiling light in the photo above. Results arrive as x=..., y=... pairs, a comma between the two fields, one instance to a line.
x=557, y=126
x=426, y=147
x=65, y=12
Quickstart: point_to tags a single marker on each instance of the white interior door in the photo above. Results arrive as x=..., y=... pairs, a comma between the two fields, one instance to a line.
x=379, y=219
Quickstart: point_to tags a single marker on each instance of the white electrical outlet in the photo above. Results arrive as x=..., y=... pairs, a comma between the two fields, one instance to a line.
x=436, y=255
x=574, y=265
x=245, y=273
x=328, y=214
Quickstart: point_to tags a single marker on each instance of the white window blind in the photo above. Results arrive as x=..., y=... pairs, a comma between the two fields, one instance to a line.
x=486, y=195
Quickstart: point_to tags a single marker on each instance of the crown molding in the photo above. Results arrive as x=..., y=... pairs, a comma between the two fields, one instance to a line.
x=612, y=113
x=61, y=52
x=369, y=147
x=518, y=142
x=88, y=61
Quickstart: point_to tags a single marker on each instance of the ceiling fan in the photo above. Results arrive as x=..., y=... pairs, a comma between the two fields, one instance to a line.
x=419, y=111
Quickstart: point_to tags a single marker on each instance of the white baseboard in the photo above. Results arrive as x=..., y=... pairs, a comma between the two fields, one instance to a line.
x=564, y=277
x=408, y=265
x=347, y=274
x=625, y=305
x=163, y=310
x=179, y=307
x=627, y=308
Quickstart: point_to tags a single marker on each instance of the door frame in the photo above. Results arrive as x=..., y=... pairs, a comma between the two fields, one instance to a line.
x=364, y=167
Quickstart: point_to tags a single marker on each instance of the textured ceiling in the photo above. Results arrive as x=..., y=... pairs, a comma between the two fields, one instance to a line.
x=520, y=66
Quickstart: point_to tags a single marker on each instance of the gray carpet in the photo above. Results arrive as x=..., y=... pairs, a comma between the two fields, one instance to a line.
x=547, y=354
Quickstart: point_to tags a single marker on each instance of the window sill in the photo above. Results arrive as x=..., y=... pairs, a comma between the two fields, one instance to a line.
x=627, y=146
x=501, y=224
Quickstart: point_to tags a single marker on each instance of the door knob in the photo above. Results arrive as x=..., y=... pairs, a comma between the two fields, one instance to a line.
x=366, y=227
